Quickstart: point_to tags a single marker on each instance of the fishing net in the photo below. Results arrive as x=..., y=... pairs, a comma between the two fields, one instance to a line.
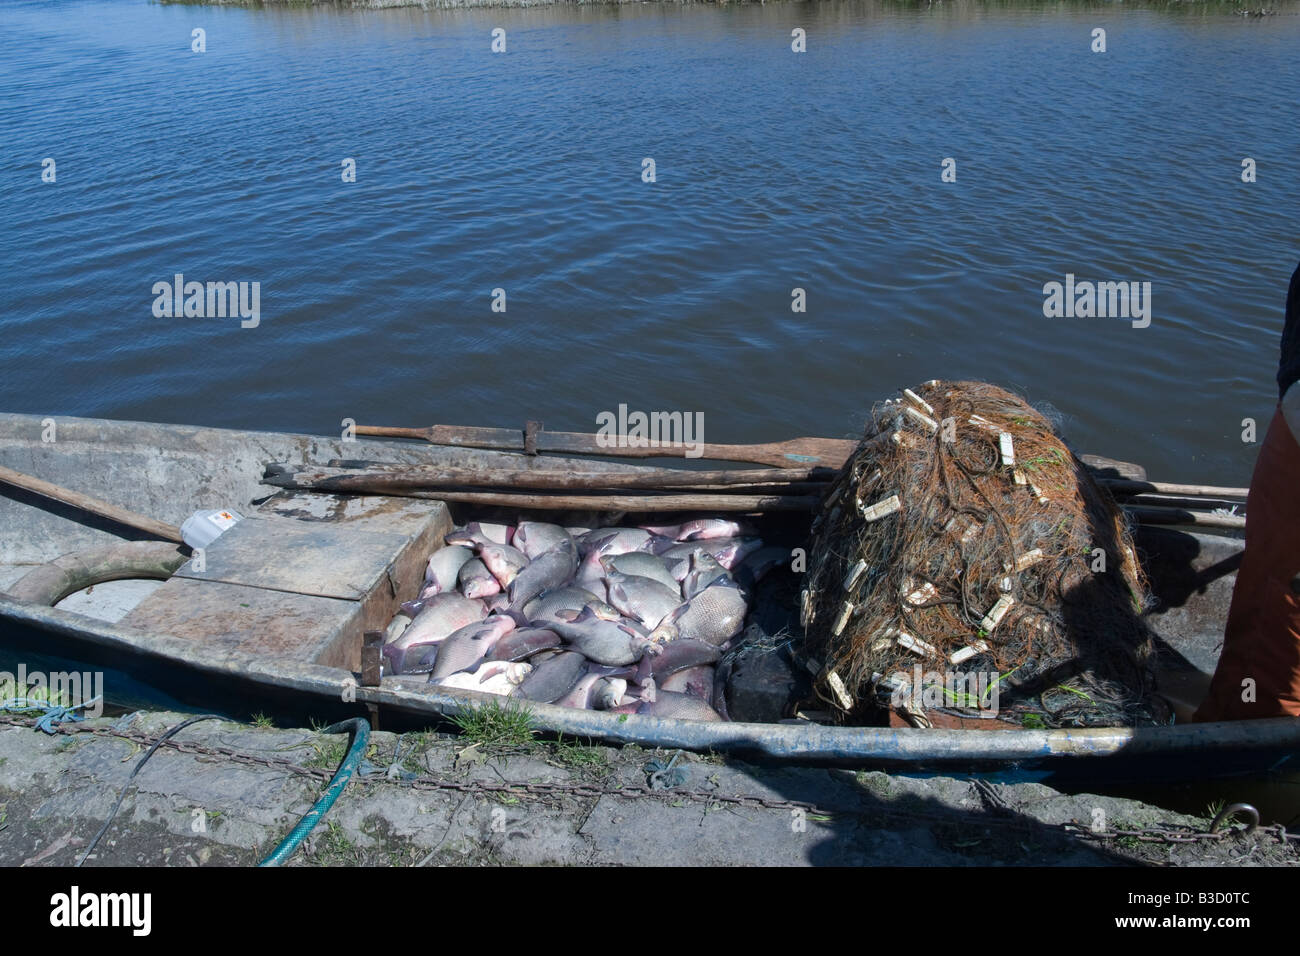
x=965, y=561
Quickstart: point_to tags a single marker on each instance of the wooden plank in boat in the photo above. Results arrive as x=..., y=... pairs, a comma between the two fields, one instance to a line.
x=332, y=571
x=300, y=557
x=378, y=513
x=251, y=621
x=424, y=523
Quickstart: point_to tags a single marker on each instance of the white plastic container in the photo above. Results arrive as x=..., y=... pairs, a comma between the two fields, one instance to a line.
x=203, y=527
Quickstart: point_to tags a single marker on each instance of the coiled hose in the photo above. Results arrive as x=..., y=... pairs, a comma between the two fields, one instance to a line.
x=360, y=729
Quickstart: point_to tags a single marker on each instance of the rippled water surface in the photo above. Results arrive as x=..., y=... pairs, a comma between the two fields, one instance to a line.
x=775, y=170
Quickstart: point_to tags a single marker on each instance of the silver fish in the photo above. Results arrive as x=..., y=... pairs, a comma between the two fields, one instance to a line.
x=659, y=544
x=715, y=616
x=396, y=626
x=470, y=644
x=523, y=642
x=476, y=581
x=420, y=658
x=545, y=572
x=705, y=570
x=642, y=564
x=479, y=533
x=444, y=565
x=503, y=561
x=581, y=694
x=591, y=574
x=443, y=614
x=608, y=693
x=546, y=606
x=728, y=552
x=645, y=599
x=678, y=707
x=696, y=681
x=676, y=656
x=610, y=541
x=602, y=641
x=702, y=529
x=535, y=538
x=492, y=677
x=553, y=678
x=625, y=672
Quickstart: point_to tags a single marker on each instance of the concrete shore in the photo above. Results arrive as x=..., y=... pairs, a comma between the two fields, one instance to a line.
x=223, y=793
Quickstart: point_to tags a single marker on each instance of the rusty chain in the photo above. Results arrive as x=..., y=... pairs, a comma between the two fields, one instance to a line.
x=1000, y=813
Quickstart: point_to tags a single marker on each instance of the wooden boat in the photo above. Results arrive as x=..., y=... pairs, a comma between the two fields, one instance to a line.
x=273, y=621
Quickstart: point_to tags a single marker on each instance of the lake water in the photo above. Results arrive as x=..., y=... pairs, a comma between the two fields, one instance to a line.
x=774, y=170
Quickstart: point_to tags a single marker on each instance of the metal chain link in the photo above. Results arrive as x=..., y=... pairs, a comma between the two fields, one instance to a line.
x=1000, y=813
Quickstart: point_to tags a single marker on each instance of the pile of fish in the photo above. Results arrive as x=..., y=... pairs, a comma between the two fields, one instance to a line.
x=630, y=620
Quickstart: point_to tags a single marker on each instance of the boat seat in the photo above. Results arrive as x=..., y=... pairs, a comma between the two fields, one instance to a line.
x=302, y=577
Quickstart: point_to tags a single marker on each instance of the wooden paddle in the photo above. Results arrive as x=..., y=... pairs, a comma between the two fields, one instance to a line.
x=827, y=452
x=94, y=506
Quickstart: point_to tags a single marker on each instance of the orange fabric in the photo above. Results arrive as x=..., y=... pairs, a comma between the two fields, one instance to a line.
x=1262, y=638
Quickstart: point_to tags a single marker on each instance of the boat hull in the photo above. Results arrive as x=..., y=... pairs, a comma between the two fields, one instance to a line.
x=220, y=468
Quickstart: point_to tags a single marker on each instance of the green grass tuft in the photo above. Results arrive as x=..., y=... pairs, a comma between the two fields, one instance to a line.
x=581, y=757
x=495, y=725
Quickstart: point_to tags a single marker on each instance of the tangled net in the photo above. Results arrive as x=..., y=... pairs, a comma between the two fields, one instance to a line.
x=965, y=537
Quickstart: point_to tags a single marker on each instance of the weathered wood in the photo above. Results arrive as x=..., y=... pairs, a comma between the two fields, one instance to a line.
x=830, y=452
x=647, y=503
x=810, y=451
x=1179, y=501
x=395, y=480
x=91, y=505
x=1100, y=464
x=535, y=479
x=370, y=562
x=372, y=643
x=301, y=557
x=1123, y=486
x=1153, y=515
x=253, y=624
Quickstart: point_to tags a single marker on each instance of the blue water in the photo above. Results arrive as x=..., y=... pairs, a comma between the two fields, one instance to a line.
x=775, y=170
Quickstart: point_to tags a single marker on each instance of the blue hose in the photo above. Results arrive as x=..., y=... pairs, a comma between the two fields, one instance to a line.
x=360, y=728
x=52, y=714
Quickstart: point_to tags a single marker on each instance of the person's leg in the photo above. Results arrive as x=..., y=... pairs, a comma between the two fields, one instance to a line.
x=1258, y=674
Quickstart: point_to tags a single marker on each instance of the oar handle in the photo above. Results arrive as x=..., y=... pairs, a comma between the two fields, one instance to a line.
x=90, y=505
x=384, y=431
